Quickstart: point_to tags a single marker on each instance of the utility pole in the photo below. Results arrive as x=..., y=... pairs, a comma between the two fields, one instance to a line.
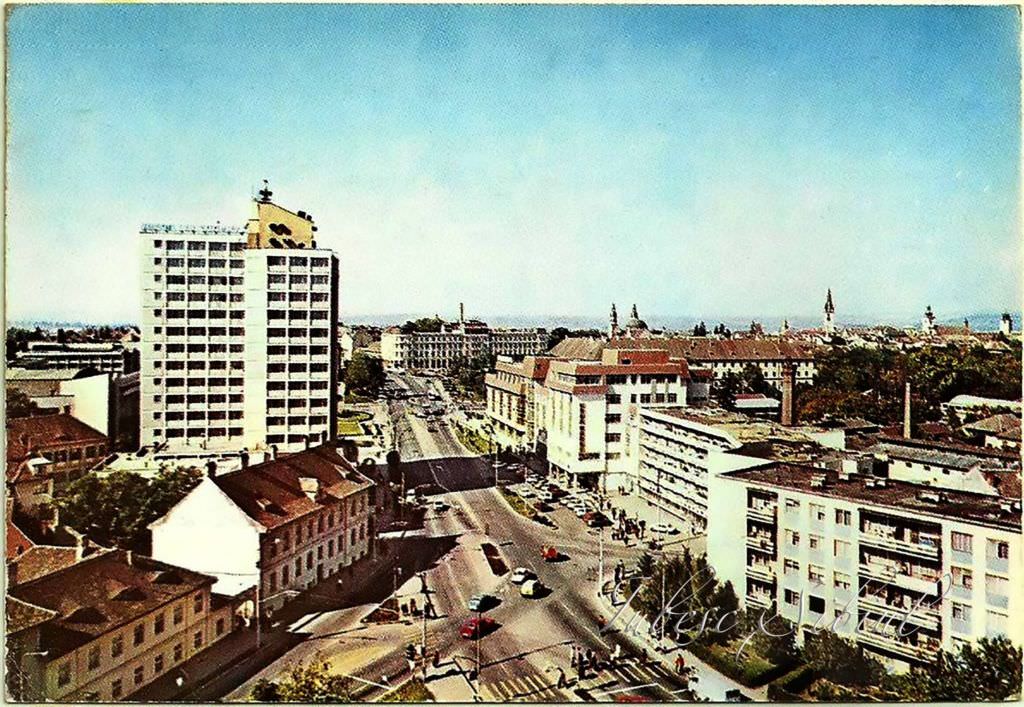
x=600, y=561
x=423, y=623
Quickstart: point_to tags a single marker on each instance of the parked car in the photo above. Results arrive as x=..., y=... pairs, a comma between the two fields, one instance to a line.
x=526, y=492
x=595, y=519
x=477, y=627
x=664, y=529
x=520, y=575
x=531, y=588
x=736, y=696
x=480, y=602
x=546, y=496
x=439, y=506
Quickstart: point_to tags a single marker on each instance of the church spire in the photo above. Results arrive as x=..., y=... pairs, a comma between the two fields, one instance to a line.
x=613, y=323
x=830, y=310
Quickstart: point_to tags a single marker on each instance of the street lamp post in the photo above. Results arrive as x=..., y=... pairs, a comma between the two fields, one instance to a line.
x=423, y=623
x=479, y=615
x=600, y=561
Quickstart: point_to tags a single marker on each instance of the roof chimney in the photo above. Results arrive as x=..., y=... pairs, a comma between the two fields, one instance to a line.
x=906, y=410
x=786, y=416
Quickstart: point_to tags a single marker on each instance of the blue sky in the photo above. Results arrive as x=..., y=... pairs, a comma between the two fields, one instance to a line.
x=529, y=159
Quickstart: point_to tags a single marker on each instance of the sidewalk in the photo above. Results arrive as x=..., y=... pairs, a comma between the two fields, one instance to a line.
x=710, y=683
x=223, y=660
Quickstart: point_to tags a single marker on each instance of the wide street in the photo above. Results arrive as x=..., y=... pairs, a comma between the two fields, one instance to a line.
x=532, y=642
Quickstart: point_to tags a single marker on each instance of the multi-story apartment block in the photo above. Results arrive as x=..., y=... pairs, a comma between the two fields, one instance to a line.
x=902, y=568
x=103, y=628
x=674, y=447
x=589, y=409
x=239, y=343
x=282, y=526
x=461, y=340
x=512, y=399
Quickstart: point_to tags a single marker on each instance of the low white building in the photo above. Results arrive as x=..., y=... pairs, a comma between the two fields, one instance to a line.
x=864, y=555
x=283, y=525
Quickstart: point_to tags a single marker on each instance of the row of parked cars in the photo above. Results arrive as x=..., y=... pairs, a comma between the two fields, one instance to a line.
x=584, y=504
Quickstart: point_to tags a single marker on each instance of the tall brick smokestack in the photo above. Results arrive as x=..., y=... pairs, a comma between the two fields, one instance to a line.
x=906, y=411
x=788, y=383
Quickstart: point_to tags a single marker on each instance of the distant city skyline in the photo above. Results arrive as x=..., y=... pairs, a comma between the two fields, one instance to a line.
x=530, y=159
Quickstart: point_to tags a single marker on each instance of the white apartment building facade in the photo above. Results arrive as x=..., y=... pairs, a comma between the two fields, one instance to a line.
x=239, y=343
x=104, y=356
x=676, y=444
x=589, y=410
x=901, y=568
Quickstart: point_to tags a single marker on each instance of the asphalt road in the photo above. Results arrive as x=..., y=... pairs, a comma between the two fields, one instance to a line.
x=522, y=658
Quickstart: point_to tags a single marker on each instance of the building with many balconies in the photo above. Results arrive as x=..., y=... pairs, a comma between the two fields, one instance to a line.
x=239, y=343
x=902, y=568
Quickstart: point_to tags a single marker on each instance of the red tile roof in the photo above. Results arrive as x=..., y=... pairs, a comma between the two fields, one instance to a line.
x=102, y=593
x=40, y=561
x=22, y=615
x=271, y=493
x=17, y=541
x=699, y=348
x=42, y=432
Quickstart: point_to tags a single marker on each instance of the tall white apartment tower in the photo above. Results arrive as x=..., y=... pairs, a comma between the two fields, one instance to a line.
x=239, y=338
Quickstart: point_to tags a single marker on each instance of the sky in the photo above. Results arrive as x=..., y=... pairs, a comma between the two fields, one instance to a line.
x=529, y=160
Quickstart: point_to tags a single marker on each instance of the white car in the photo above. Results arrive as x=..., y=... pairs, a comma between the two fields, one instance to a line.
x=546, y=496
x=526, y=492
x=439, y=506
x=520, y=575
x=664, y=529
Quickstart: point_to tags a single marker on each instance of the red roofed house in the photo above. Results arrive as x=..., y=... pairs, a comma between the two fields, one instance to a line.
x=69, y=445
x=289, y=523
x=732, y=355
x=103, y=627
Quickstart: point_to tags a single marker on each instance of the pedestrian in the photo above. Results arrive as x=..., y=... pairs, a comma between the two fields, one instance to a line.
x=680, y=663
x=617, y=654
x=437, y=659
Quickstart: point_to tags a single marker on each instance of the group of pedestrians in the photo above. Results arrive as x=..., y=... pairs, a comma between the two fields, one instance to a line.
x=627, y=527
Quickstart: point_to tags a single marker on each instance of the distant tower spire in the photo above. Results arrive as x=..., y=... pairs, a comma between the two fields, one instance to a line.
x=928, y=323
x=613, y=323
x=1006, y=324
x=830, y=310
x=265, y=192
x=633, y=314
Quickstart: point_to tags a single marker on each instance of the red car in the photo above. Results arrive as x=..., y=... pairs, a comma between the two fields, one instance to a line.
x=473, y=626
x=550, y=554
x=632, y=699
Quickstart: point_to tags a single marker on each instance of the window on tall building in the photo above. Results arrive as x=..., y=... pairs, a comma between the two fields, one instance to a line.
x=961, y=542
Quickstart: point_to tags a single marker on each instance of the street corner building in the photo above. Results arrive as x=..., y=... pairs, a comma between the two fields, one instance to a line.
x=280, y=527
x=104, y=626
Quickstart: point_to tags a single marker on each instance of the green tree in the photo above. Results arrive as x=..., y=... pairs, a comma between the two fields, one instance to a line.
x=841, y=661
x=364, y=375
x=724, y=390
x=19, y=404
x=305, y=683
x=986, y=672
x=118, y=508
x=425, y=325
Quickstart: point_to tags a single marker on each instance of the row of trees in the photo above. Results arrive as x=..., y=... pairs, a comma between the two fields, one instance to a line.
x=424, y=325
x=868, y=383
x=117, y=509
x=561, y=333
x=468, y=373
